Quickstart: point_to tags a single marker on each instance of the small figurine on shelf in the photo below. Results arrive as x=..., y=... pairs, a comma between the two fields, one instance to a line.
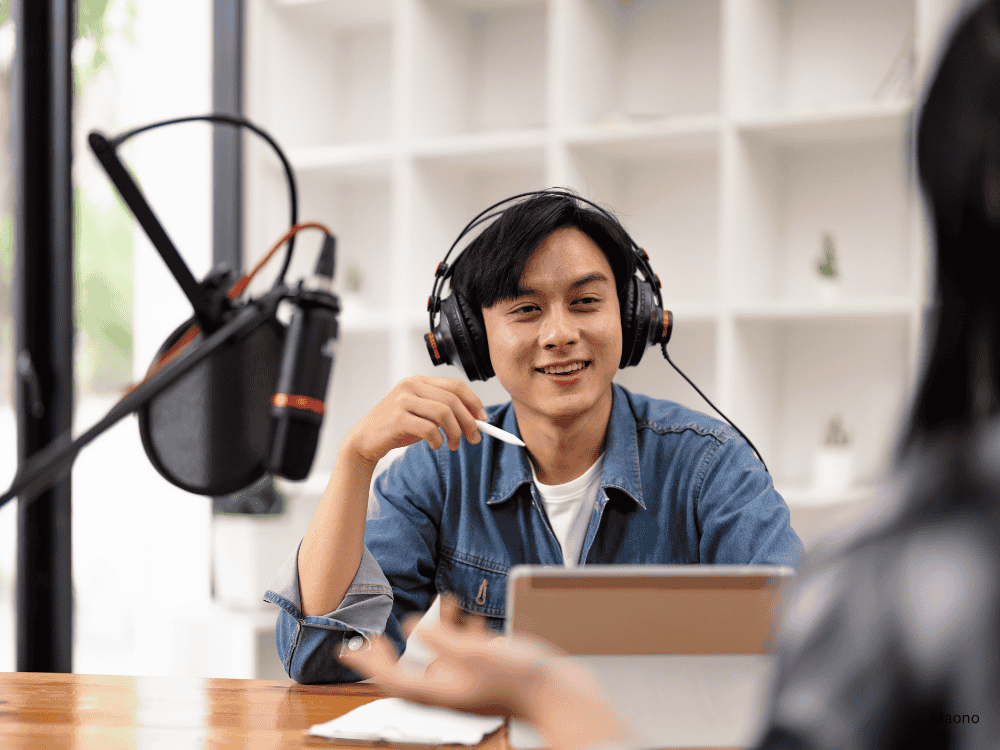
x=833, y=465
x=827, y=266
x=350, y=292
x=353, y=280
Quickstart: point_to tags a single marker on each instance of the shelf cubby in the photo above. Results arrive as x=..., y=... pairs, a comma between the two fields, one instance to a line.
x=327, y=74
x=359, y=212
x=792, y=376
x=357, y=209
x=478, y=67
x=814, y=56
x=794, y=201
x=635, y=62
x=447, y=193
x=668, y=203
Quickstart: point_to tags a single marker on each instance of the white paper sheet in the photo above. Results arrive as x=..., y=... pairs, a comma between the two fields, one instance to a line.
x=396, y=720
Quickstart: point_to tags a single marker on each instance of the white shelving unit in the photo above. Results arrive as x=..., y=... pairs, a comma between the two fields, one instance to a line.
x=730, y=136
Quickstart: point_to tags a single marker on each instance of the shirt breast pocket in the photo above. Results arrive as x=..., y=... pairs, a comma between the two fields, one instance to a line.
x=479, y=586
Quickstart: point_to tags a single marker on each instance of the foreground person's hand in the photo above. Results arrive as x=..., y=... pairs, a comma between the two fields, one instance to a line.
x=477, y=672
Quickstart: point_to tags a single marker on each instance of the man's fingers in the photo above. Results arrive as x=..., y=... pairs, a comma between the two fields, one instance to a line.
x=464, y=414
x=435, y=412
x=422, y=429
x=463, y=391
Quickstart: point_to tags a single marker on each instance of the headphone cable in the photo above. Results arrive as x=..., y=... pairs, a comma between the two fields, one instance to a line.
x=666, y=356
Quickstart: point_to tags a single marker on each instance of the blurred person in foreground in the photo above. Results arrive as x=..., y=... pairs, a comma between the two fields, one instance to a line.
x=892, y=639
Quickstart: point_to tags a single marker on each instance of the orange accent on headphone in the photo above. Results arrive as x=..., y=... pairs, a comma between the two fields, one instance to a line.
x=433, y=343
x=298, y=402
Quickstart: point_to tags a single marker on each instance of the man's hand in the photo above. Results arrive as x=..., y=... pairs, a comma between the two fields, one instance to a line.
x=416, y=409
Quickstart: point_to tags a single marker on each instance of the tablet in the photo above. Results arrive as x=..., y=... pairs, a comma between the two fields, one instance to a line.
x=684, y=651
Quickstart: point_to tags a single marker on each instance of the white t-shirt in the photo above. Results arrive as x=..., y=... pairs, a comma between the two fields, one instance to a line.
x=569, y=507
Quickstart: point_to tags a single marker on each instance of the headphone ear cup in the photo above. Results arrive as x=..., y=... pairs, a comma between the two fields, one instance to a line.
x=636, y=312
x=628, y=323
x=470, y=338
x=479, y=344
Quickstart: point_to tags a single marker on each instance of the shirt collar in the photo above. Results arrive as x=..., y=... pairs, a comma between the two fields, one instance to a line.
x=621, y=454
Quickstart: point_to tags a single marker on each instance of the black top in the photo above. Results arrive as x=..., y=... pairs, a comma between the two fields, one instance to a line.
x=892, y=640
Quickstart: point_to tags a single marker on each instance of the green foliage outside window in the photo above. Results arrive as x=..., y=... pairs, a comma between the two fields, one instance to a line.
x=104, y=300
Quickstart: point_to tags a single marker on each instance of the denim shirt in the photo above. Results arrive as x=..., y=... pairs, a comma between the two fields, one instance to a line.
x=678, y=487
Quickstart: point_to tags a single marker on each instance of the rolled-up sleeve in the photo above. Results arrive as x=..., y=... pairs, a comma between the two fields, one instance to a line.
x=309, y=645
x=395, y=578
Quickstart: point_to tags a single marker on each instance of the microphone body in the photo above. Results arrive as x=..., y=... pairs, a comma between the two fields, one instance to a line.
x=298, y=405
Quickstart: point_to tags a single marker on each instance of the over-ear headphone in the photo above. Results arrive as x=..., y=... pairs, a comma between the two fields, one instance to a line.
x=458, y=338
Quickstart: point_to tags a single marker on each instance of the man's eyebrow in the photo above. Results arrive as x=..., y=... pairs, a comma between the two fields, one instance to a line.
x=596, y=276
x=523, y=291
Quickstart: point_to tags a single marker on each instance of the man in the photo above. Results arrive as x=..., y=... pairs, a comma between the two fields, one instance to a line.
x=607, y=477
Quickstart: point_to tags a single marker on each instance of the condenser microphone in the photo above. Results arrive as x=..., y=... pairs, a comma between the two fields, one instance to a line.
x=299, y=402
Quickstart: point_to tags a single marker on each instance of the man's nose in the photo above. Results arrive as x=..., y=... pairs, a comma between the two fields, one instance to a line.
x=558, y=329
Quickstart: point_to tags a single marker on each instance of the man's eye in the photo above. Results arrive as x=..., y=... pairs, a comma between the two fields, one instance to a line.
x=587, y=300
x=524, y=309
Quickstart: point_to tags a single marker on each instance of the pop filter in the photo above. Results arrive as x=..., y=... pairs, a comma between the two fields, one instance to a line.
x=209, y=432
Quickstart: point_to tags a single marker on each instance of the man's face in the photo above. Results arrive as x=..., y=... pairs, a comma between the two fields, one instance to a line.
x=556, y=347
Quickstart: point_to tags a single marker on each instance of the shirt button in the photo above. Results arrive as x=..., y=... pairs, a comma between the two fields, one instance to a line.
x=355, y=643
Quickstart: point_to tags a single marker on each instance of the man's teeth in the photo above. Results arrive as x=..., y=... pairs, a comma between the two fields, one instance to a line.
x=557, y=369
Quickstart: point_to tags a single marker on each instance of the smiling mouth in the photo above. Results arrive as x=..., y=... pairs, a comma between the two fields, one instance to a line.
x=564, y=370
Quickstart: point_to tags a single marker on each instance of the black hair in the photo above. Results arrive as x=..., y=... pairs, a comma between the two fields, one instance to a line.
x=490, y=268
x=958, y=161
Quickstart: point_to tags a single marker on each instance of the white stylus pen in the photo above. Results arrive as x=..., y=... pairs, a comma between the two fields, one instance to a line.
x=500, y=434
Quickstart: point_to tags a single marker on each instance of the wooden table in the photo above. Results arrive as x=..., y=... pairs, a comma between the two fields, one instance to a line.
x=86, y=711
